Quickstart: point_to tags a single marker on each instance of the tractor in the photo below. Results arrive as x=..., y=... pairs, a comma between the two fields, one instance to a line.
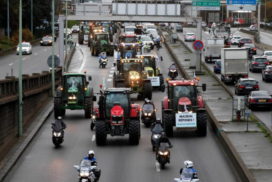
x=150, y=62
x=131, y=74
x=117, y=116
x=101, y=43
x=83, y=33
x=94, y=29
x=184, y=107
x=74, y=93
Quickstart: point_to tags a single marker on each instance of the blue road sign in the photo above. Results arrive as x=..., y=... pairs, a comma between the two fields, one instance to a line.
x=245, y=2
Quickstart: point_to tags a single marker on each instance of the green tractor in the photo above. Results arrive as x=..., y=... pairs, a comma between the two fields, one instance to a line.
x=101, y=43
x=83, y=34
x=131, y=74
x=74, y=93
x=150, y=62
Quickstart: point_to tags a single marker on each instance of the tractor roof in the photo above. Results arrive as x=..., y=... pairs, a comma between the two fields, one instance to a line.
x=73, y=74
x=182, y=82
x=117, y=90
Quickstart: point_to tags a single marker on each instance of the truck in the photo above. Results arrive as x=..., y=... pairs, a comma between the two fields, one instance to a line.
x=234, y=64
x=213, y=49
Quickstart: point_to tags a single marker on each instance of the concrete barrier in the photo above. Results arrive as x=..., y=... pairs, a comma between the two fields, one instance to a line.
x=242, y=170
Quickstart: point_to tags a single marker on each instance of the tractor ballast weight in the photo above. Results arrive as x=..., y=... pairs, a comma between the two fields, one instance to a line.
x=74, y=93
x=184, y=108
x=117, y=116
x=132, y=75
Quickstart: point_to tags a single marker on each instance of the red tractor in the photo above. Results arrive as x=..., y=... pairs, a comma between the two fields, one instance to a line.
x=184, y=107
x=117, y=116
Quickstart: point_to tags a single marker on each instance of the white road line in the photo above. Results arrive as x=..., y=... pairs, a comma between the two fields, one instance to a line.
x=24, y=59
x=111, y=71
x=112, y=68
x=109, y=80
x=157, y=165
x=83, y=61
x=93, y=138
x=110, y=75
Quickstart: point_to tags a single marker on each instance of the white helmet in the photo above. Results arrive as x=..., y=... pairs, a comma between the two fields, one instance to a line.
x=91, y=152
x=188, y=164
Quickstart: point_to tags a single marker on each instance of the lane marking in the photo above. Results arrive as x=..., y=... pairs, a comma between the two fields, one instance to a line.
x=111, y=71
x=24, y=59
x=83, y=61
x=157, y=165
x=93, y=138
x=112, y=68
x=109, y=80
x=110, y=75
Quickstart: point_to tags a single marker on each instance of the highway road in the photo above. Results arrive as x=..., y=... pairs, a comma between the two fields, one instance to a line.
x=263, y=115
x=118, y=160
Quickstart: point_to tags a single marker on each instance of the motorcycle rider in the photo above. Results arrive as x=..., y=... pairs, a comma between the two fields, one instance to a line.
x=102, y=55
x=164, y=139
x=157, y=126
x=93, y=161
x=58, y=124
x=173, y=67
x=188, y=168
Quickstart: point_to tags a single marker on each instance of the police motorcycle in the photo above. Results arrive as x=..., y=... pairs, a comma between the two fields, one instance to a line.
x=103, y=60
x=88, y=171
x=148, y=115
x=173, y=72
x=188, y=173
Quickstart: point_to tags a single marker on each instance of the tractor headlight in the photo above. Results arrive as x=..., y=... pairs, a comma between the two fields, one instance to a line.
x=72, y=97
x=134, y=77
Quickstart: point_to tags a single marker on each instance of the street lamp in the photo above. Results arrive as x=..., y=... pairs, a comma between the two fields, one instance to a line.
x=65, y=29
x=31, y=14
x=8, y=33
x=53, y=48
x=20, y=80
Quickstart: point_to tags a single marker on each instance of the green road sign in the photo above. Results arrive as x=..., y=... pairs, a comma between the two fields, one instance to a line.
x=207, y=4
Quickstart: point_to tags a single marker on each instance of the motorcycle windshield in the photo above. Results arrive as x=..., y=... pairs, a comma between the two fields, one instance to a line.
x=57, y=126
x=85, y=164
x=157, y=129
x=148, y=108
x=163, y=147
x=187, y=174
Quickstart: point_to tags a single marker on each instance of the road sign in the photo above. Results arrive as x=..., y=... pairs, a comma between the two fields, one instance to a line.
x=206, y=4
x=239, y=2
x=56, y=60
x=198, y=45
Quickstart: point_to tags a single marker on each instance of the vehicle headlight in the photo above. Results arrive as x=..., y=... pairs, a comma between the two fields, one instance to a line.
x=73, y=97
x=156, y=136
x=84, y=173
x=163, y=153
x=93, y=117
x=57, y=134
x=149, y=114
x=172, y=71
x=134, y=77
x=145, y=114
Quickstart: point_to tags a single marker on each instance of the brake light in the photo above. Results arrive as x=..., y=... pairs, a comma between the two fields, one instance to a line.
x=245, y=76
x=254, y=62
x=269, y=100
x=242, y=86
x=267, y=63
x=256, y=86
x=254, y=49
x=252, y=100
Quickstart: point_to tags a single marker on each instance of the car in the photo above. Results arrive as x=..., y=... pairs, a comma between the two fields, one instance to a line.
x=179, y=28
x=146, y=40
x=267, y=73
x=243, y=41
x=235, y=39
x=26, y=48
x=75, y=29
x=46, y=41
x=252, y=50
x=259, y=99
x=203, y=24
x=217, y=66
x=189, y=37
x=268, y=55
x=245, y=85
x=130, y=29
x=253, y=28
x=258, y=63
x=236, y=22
x=153, y=34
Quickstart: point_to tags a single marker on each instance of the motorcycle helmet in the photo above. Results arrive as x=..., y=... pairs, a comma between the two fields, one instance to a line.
x=59, y=117
x=188, y=164
x=91, y=154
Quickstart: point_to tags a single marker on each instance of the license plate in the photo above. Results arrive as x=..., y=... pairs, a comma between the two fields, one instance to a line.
x=262, y=100
x=248, y=87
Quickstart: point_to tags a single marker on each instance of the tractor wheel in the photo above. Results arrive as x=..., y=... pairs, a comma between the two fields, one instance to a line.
x=88, y=107
x=147, y=90
x=100, y=133
x=202, y=124
x=134, y=132
x=167, y=121
x=57, y=108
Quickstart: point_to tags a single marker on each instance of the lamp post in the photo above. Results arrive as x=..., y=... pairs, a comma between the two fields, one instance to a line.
x=53, y=48
x=8, y=33
x=31, y=18
x=66, y=29
x=20, y=80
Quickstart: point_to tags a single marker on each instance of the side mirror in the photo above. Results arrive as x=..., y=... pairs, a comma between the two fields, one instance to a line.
x=76, y=167
x=94, y=98
x=204, y=87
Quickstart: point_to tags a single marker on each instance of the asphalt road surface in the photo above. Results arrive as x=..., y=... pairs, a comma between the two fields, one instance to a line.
x=119, y=161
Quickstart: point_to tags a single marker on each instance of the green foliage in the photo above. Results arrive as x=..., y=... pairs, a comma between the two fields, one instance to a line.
x=73, y=22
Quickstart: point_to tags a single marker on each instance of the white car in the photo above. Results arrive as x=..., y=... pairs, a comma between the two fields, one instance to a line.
x=130, y=29
x=153, y=34
x=268, y=55
x=26, y=48
x=235, y=39
x=189, y=37
x=75, y=28
x=146, y=40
